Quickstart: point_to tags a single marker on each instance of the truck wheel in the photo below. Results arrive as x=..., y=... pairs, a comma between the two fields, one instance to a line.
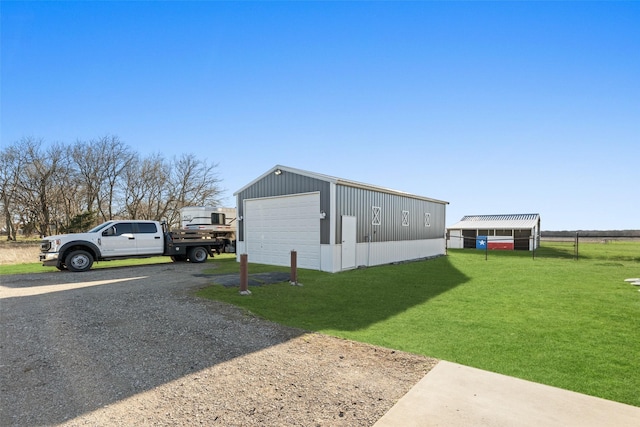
x=78, y=261
x=198, y=254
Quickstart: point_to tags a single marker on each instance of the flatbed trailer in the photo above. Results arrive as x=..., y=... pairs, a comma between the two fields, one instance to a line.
x=183, y=245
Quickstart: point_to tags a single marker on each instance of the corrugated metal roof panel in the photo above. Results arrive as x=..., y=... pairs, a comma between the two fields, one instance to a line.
x=340, y=181
x=505, y=221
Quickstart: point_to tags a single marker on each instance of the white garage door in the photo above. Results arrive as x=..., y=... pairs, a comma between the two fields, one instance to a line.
x=277, y=225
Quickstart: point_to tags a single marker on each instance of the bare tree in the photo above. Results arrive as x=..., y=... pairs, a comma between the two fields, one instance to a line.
x=89, y=169
x=11, y=163
x=35, y=190
x=101, y=164
x=156, y=189
x=193, y=182
x=145, y=184
x=70, y=193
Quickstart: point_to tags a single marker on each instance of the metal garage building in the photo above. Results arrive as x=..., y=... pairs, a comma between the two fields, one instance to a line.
x=334, y=224
x=509, y=232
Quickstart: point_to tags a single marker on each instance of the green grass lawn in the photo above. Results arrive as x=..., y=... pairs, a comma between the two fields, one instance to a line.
x=553, y=320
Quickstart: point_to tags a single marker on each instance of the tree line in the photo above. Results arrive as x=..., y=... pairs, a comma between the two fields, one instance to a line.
x=60, y=188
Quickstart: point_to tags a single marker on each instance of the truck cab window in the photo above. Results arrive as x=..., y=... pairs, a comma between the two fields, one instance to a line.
x=118, y=229
x=146, y=227
x=124, y=228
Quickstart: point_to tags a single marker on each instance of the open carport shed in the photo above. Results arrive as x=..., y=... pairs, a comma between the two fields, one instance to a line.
x=334, y=224
x=507, y=232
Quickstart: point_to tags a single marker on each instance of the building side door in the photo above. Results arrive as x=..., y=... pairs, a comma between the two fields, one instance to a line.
x=349, y=224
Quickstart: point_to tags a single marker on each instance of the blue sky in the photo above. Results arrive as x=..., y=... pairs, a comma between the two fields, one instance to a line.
x=495, y=107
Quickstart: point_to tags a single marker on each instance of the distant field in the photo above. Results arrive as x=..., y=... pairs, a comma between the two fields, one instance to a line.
x=18, y=253
x=603, y=249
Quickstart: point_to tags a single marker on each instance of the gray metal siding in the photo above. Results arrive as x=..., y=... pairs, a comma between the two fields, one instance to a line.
x=285, y=184
x=359, y=202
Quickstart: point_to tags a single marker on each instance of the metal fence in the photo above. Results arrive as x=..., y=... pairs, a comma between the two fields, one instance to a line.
x=573, y=247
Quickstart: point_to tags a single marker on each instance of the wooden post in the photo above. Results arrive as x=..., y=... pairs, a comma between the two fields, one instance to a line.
x=294, y=268
x=244, y=275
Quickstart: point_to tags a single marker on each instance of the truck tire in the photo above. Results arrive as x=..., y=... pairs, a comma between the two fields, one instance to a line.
x=198, y=254
x=78, y=261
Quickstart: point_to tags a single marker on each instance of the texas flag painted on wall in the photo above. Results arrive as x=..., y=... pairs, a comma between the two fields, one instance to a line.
x=494, y=242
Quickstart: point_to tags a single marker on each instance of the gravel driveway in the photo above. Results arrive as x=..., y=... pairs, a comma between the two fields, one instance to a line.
x=133, y=346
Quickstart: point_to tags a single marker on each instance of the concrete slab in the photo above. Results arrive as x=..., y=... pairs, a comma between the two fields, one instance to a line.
x=455, y=395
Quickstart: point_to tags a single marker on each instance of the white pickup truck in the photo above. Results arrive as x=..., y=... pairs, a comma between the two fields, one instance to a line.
x=126, y=239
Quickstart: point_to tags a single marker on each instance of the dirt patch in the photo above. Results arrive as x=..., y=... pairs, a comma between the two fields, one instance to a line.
x=312, y=380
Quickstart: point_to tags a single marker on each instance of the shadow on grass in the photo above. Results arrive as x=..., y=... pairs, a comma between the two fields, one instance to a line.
x=347, y=301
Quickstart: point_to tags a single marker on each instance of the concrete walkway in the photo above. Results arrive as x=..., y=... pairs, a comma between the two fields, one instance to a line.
x=454, y=395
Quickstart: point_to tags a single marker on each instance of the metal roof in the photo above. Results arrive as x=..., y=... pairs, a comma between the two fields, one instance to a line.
x=506, y=221
x=339, y=181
